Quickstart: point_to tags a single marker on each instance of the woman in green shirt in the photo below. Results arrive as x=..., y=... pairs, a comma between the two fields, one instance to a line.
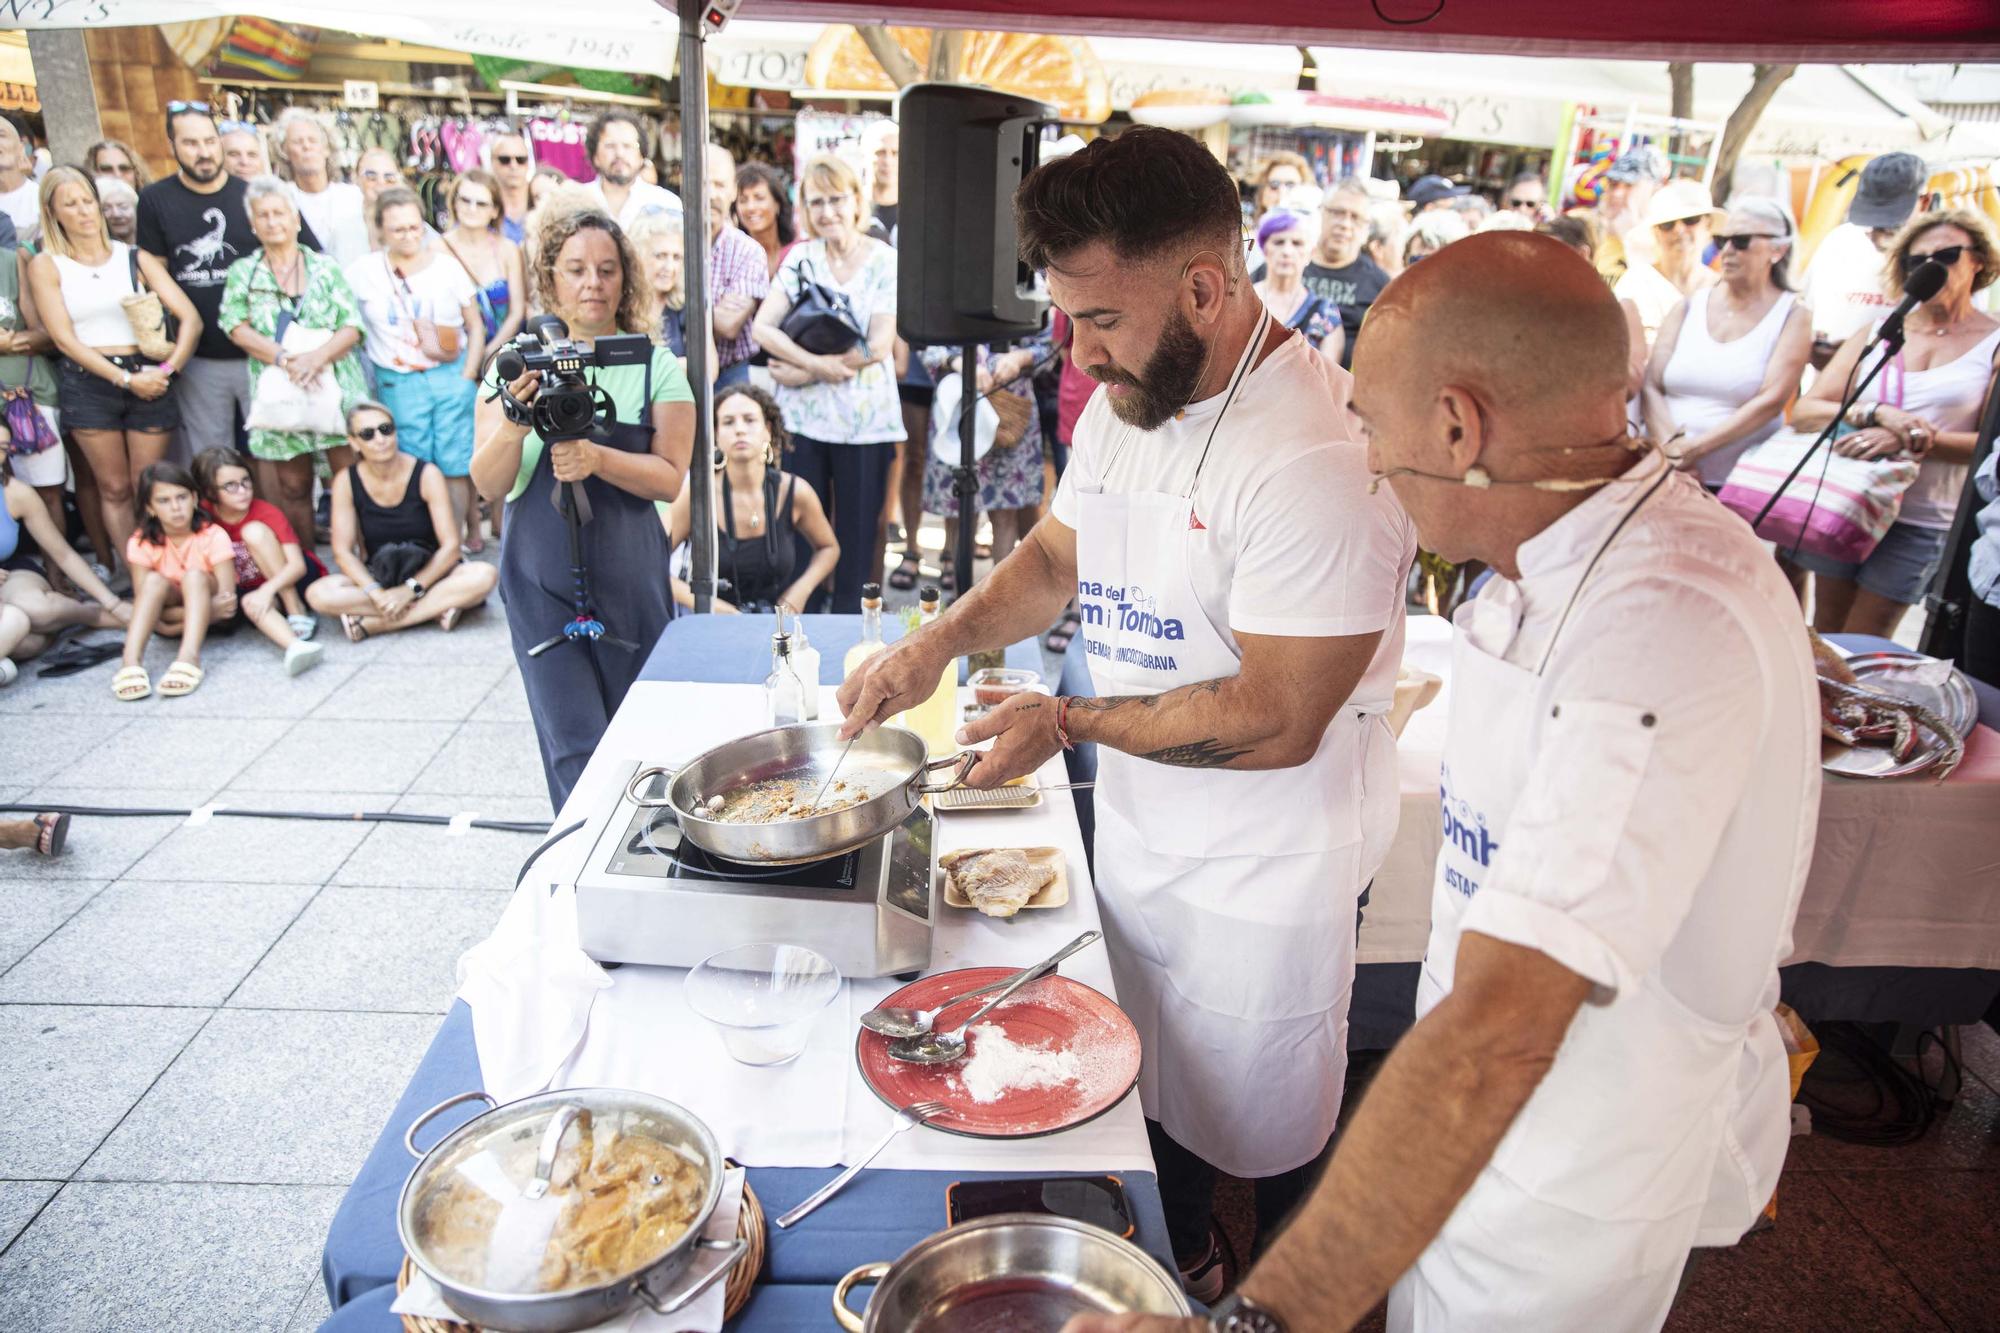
x=283, y=284
x=592, y=282
x=24, y=363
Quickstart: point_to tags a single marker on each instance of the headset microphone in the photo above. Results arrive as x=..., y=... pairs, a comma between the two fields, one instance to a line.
x=1479, y=479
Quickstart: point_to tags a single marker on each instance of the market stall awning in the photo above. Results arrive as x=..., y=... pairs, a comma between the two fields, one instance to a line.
x=1821, y=111
x=636, y=35
x=1725, y=30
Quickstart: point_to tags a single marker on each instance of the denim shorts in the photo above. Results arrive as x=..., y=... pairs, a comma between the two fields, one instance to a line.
x=1899, y=568
x=91, y=403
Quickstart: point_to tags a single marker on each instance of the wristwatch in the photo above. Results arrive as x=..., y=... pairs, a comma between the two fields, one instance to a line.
x=416, y=589
x=1236, y=1313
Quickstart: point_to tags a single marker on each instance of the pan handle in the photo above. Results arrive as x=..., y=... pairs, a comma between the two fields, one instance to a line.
x=964, y=760
x=640, y=778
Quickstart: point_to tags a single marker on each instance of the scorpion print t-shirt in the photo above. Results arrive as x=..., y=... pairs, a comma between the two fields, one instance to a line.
x=199, y=236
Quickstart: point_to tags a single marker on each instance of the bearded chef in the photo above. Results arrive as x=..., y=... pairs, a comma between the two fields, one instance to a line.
x=1595, y=1083
x=1241, y=597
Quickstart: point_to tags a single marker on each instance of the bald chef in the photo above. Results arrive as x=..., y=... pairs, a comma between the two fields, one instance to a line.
x=1595, y=1083
x=1241, y=593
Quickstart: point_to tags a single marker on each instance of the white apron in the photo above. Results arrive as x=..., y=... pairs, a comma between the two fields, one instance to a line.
x=1228, y=897
x=1583, y=1217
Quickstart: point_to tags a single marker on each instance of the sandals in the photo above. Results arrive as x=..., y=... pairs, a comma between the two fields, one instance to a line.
x=51, y=831
x=9, y=673
x=304, y=625
x=131, y=684
x=905, y=575
x=181, y=678
x=351, y=626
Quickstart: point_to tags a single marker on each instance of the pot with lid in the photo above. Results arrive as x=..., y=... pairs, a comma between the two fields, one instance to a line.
x=561, y=1210
x=1022, y=1271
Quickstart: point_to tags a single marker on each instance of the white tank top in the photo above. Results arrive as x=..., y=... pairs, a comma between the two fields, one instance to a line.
x=92, y=296
x=1706, y=381
x=1947, y=396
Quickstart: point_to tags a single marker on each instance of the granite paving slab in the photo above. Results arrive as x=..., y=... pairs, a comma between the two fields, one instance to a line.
x=164, y=1256
x=69, y=1074
x=328, y=1079
x=151, y=942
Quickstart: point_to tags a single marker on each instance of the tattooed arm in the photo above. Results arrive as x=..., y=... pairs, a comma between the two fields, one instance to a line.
x=1271, y=714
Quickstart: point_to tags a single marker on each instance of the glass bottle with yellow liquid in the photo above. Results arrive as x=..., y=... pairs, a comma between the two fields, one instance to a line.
x=936, y=718
x=871, y=631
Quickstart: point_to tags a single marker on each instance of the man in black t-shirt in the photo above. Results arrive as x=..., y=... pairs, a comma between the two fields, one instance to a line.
x=1341, y=272
x=196, y=224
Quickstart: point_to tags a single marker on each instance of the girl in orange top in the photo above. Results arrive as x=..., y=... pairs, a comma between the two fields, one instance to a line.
x=183, y=580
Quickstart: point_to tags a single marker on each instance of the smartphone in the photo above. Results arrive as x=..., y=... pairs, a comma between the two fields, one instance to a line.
x=1098, y=1200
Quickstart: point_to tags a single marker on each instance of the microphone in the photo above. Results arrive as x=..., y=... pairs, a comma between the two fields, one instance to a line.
x=1925, y=282
x=1479, y=479
x=550, y=328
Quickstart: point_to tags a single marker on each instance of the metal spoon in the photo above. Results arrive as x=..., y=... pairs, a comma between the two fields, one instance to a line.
x=818, y=795
x=939, y=1048
x=896, y=1021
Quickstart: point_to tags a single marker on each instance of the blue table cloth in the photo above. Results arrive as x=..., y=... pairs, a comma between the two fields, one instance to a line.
x=727, y=650
x=878, y=1217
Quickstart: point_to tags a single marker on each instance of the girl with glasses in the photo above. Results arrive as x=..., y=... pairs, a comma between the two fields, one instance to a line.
x=1924, y=405
x=1729, y=357
x=272, y=567
x=395, y=540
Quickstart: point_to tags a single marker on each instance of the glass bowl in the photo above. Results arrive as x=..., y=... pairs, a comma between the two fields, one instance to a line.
x=763, y=998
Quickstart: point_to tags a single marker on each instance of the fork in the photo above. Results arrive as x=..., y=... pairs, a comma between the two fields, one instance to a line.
x=908, y=1118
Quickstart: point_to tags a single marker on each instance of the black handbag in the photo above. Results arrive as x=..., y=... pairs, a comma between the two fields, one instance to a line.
x=398, y=562
x=822, y=319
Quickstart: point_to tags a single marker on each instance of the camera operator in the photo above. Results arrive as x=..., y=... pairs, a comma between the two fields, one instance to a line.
x=589, y=279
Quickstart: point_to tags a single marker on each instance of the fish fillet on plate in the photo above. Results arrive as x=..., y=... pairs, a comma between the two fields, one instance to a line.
x=1000, y=881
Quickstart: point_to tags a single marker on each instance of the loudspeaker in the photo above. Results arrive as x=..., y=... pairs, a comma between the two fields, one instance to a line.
x=959, y=278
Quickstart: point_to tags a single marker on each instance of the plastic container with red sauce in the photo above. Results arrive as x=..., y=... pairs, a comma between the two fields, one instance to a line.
x=993, y=686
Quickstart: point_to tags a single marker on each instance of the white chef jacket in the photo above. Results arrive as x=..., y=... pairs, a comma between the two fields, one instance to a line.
x=1675, y=864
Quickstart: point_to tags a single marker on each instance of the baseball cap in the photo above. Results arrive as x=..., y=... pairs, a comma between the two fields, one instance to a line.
x=1643, y=163
x=1429, y=189
x=1888, y=191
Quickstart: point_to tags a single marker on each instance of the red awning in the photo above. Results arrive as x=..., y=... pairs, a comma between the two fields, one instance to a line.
x=1840, y=31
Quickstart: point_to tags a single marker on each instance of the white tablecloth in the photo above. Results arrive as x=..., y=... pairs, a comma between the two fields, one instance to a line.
x=1904, y=874
x=815, y=1111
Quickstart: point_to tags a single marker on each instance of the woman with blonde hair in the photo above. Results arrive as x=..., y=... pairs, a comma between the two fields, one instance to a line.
x=117, y=403
x=1924, y=405
x=843, y=411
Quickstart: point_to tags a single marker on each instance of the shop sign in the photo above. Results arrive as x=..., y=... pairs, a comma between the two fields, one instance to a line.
x=779, y=65
x=361, y=94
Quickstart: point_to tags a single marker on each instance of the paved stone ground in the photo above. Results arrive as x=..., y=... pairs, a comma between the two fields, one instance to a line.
x=202, y=1029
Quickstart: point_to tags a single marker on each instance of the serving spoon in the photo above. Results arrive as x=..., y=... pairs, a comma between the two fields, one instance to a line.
x=937, y=1048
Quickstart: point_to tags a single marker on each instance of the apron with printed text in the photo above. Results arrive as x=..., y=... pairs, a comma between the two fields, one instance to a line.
x=1228, y=896
x=1587, y=1168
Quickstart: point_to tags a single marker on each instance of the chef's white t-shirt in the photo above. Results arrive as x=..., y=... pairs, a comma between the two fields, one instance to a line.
x=1290, y=541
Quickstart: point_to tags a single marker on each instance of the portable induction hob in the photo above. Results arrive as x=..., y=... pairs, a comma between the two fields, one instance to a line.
x=648, y=896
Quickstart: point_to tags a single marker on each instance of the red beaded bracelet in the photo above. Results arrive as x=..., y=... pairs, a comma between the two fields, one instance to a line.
x=1062, y=721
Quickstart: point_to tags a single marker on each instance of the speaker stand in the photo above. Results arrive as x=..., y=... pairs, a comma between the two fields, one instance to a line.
x=965, y=477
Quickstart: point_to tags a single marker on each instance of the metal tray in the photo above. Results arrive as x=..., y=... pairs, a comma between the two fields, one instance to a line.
x=1896, y=673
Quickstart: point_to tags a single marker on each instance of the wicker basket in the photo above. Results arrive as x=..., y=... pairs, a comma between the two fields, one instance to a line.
x=736, y=1288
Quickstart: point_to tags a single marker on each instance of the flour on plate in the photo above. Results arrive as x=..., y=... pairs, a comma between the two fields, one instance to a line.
x=999, y=1065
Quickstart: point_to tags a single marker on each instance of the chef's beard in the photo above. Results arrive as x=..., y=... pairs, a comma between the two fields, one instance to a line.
x=1168, y=382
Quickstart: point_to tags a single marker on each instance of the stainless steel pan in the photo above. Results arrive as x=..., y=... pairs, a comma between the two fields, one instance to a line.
x=890, y=763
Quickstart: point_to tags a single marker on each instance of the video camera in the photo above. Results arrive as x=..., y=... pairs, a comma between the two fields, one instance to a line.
x=567, y=406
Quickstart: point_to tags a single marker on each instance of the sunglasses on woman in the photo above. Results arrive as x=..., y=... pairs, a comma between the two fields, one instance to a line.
x=1741, y=240
x=387, y=430
x=1947, y=256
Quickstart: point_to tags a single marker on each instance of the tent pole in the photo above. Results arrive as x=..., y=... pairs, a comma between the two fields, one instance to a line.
x=698, y=322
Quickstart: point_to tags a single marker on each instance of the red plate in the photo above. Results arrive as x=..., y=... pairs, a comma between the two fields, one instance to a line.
x=1086, y=1048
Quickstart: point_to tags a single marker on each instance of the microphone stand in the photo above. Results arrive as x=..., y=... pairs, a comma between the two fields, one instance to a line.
x=1890, y=340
